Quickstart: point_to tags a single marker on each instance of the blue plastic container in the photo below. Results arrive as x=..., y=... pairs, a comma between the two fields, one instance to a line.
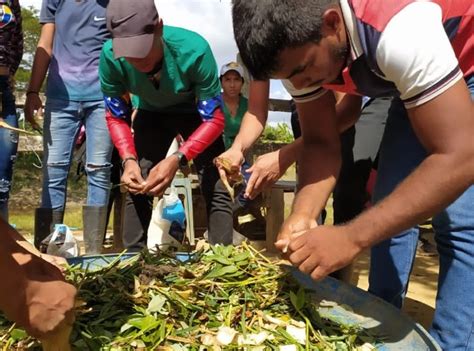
x=399, y=332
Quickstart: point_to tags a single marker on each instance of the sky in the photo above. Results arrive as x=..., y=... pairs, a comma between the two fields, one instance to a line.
x=212, y=19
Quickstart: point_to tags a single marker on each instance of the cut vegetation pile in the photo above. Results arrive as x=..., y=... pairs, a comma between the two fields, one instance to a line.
x=223, y=298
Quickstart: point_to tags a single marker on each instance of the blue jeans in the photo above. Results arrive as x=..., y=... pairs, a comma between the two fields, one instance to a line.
x=8, y=144
x=392, y=260
x=62, y=123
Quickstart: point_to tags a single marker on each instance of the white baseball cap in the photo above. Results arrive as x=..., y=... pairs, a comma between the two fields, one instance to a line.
x=232, y=66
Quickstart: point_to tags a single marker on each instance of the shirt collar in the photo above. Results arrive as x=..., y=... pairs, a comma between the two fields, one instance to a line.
x=351, y=29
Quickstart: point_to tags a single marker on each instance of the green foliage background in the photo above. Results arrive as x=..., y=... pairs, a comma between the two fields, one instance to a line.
x=280, y=133
x=31, y=34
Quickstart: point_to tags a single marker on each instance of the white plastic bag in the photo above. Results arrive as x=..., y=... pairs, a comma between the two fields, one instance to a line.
x=169, y=206
x=61, y=242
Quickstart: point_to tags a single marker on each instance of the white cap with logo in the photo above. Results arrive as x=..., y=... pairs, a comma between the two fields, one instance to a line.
x=232, y=66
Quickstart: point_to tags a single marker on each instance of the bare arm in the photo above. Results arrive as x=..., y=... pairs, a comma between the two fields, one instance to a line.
x=319, y=160
x=14, y=236
x=445, y=127
x=253, y=122
x=268, y=168
x=40, y=68
x=319, y=163
x=251, y=127
x=348, y=110
x=42, y=57
x=34, y=293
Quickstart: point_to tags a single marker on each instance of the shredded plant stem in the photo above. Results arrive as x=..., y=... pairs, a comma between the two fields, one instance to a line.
x=223, y=298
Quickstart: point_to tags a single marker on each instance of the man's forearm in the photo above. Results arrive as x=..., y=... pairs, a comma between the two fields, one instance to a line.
x=13, y=281
x=42, y=57
x=14, y=241
x=255, y=118
x=289, y=153
x=348, y=110
x=39, y=69
x=250, y=130
x=10, y=270
x=438, y=181
x=315, y=183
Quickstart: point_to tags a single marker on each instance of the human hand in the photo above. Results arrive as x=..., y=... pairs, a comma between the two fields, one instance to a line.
x=322, y=250
x=295, y=224
x=43, y=301
x=265, y=171
x=234, y=159
x=132, y=177
x=33, y=103
x=161, y=176
x=59, y=262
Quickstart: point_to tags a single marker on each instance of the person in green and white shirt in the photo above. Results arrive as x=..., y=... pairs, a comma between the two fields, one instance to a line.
x=234, y=106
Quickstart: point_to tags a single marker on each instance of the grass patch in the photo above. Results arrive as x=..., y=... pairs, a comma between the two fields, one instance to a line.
x=24, y=220
x=26, y=194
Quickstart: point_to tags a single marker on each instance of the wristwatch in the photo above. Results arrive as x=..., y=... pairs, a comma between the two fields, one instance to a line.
x=182, y=160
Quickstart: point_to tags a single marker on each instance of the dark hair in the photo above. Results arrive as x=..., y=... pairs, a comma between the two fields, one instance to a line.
x=264, y=28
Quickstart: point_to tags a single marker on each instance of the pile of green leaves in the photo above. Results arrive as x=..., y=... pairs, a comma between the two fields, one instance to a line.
x=224, y=298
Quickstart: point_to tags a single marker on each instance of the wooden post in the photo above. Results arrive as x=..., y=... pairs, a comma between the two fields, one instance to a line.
x=275, y=216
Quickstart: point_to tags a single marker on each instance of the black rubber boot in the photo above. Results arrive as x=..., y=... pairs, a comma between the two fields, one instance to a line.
x=95, y=222
x=45, y=220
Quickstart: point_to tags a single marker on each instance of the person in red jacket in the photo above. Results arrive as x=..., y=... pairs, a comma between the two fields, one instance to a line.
x=172, y=75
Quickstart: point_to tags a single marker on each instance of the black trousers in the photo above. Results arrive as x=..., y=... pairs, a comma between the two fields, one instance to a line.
x=359, y=147
x=153, y=134
x=221, y=217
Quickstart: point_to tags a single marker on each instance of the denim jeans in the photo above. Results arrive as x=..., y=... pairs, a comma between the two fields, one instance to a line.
x=8, y=144
x=62, y=123
x=392, y=260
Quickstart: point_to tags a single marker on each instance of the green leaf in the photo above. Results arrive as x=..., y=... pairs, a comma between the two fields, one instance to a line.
x=221, y=259
x=145, y=323
x=18, y=334
x=222, y=271
x=227, y=250
x=241, y=256
x=125, y=327
x=296, y=299
x=301, y=298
